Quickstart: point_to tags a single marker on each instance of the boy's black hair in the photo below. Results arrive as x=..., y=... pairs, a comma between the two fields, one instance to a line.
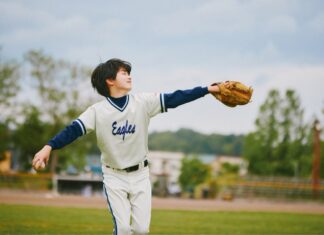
x=107, y=70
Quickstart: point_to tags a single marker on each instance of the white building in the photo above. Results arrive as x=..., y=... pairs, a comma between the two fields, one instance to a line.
x=165, y=163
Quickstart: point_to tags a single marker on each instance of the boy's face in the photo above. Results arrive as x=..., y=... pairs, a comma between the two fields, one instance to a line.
x=123, y=81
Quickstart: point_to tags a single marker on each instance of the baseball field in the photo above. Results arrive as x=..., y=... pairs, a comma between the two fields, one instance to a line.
x=24, y=212
x=26, y=219
x=30, y=219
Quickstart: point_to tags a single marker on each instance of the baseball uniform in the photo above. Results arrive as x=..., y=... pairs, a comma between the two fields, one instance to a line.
x=121, y=128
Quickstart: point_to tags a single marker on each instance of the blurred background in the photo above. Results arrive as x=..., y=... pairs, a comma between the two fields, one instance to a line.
x=270, y=148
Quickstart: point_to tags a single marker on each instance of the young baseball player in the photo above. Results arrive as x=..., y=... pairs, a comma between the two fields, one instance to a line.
x=120, y=122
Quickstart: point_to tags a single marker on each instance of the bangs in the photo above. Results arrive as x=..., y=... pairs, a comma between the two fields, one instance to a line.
x=126, y=66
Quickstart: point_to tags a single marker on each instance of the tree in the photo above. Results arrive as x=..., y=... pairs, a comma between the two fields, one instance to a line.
x=293, y=136
x=227, y=168
x=193, y=173
x=280, y=144
x=322, y=161
x=322, y=145
x=57, y=83
x=9, y=86
x=189, y=141
x=259, y=145
x=29, y=136
x=58, y=102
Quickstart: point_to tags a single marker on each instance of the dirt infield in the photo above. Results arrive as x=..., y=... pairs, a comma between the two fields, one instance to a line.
x=50, y=199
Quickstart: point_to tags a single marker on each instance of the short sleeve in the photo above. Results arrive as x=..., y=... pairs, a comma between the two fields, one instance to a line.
x=154, y=103
x=87, y=120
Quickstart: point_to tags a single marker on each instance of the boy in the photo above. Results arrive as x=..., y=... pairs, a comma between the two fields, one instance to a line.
x=121, y=122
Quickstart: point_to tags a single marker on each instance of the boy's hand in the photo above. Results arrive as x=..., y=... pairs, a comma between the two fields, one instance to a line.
x=41, y=158
x=213, y=88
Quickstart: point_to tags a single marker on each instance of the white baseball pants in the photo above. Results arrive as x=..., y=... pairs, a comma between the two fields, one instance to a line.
x=129, y=200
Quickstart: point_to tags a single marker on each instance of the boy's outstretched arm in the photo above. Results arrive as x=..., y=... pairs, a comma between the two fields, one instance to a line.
x=180, y=97
x=65, y=137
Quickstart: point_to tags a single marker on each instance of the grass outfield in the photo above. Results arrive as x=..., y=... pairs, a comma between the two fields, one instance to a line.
x=16, y=219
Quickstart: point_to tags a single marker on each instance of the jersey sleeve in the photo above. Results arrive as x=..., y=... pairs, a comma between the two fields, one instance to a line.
x=180, y=97
x=66, y=136
x=87, y=120
x=154, y=103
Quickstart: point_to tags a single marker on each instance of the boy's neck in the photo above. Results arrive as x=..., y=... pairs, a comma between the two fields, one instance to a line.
x=118, y=94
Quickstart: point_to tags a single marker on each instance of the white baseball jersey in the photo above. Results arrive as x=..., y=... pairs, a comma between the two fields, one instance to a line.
x=122, y=133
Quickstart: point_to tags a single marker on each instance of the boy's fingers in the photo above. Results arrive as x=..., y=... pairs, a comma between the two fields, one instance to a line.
x=39, y=164
x=35, y=160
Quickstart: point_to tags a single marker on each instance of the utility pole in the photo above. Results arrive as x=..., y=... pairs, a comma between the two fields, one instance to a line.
x=316, y=159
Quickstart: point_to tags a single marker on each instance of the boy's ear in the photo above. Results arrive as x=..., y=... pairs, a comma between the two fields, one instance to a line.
x=109, y=82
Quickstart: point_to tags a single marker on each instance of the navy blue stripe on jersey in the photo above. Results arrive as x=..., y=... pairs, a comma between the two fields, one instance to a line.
x=179, y=97
x=67, y=135
x=162, y=103
x=84, y=130
x=112, y=213
x=119, y=103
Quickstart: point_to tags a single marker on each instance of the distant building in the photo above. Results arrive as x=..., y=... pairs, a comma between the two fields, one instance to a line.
x=168, y=163
x=206, y=158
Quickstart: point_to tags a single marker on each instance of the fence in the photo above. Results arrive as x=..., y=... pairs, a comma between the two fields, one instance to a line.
x=275, y=187
x=57, y=183
x=26, y=181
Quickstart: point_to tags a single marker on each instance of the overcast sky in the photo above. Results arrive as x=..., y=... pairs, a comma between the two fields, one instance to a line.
x=180, y=44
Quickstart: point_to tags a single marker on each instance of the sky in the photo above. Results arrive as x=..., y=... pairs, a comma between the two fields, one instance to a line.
x=181, y=44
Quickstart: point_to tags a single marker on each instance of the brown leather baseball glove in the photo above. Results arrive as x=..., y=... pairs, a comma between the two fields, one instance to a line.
x=232, y=93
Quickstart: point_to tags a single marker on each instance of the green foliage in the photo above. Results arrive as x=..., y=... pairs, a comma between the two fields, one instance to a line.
x=322, y=161
x=193, y=172
x=228, y=168
x=5, y=138
x=322, y=144
x=8, y=81
x=30, y=136
x=75, y=153
x=280, y=145
x=189, y=141
x=55, y=101
x=57, y=85
x=8, y=89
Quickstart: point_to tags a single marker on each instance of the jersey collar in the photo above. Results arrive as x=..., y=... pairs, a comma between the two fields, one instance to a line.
x=121, y=109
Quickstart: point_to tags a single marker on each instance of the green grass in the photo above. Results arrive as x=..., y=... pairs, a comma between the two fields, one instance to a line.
x=16, y=219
